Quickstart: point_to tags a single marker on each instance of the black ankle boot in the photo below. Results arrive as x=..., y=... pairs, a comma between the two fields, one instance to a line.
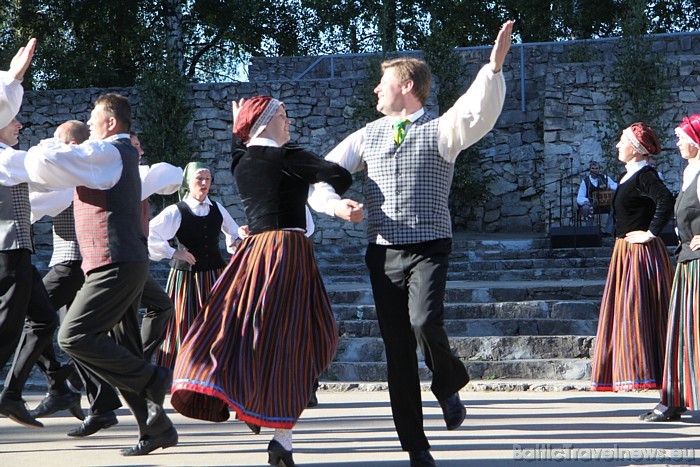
x=279, y=456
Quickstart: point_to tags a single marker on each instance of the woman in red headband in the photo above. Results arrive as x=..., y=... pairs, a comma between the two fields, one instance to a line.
x=267, y=331
x=629, y=348
x=681, y=377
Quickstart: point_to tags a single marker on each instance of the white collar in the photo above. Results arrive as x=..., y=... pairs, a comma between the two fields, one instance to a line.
x=412, y=117
x=193, y=203
x=633, y=167
x=260, y=141
x=4, y=146
x=111, y=139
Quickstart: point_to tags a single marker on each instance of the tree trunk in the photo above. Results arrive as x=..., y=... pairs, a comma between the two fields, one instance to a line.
x=174, y=36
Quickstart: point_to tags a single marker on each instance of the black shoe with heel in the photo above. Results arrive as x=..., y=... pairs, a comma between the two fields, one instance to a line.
x=453, y=411
x=421, y=458
x=16, y=410
x=279, y=456
x=94, y=423
x=661, y=413
x=148, y=444
x=52, y=404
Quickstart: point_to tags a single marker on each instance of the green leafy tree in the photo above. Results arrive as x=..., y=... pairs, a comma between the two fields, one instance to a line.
x=164, y=114
x=642, y=90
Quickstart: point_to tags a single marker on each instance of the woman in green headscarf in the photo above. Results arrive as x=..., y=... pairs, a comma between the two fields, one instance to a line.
x=195, y=222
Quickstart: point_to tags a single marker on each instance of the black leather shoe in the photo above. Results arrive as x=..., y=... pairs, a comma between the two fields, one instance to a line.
x=661, y=413
x=277, y=455
x=17, y=412
x=155, y=393
x=421, y=459
x=52, y=404
x=167, y=439
x=313, y=402
x=159, y=385
x=453, y=411
x=94, y=423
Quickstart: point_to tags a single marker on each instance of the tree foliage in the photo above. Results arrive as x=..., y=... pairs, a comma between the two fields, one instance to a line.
x=642, y=81
x=112, y=42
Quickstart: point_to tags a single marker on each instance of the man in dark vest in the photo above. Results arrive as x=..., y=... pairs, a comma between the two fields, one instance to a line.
x=27, y=319
x=409, y=157
x=107, y=207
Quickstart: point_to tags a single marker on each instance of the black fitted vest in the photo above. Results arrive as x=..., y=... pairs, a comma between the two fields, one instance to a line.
x=200, y=235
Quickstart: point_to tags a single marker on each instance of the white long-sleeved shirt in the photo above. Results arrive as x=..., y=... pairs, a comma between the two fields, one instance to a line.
x=581, y=197
x=165, y=225
x=11, y=93
x=12, y=169
x=92, y=164
x=470, y=119
x=49, y=203
x=161, y=178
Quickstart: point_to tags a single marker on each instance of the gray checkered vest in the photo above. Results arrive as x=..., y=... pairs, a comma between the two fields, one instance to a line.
x=15, y=226
x=406, y=188
x=65, y=243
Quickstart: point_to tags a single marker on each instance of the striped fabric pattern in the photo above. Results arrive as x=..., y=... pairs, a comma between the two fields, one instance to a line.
x=265, y=334
x=631, y=337
x=682, y=368
x=188, y=290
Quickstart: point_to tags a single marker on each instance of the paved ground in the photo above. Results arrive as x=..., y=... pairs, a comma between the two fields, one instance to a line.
x=354, y=429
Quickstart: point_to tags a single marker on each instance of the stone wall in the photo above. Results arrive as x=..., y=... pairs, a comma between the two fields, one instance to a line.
x=549, y=128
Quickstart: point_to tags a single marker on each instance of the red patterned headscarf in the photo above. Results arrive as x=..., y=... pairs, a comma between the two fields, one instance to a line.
x=254, y=116
x=689, y=130
x=642, y=138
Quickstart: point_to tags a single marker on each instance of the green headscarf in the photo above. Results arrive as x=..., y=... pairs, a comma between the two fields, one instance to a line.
x=188, y=175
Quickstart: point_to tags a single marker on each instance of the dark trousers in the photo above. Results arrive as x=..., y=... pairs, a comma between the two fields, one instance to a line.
x=27, y=319
x=159, y=312
x=108, y=303
x=408, y=284
x=62, y=283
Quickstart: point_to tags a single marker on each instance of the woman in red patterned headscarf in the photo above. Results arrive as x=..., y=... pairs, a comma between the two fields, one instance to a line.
x=629, y=348
x=681, y=377
x=267, y=331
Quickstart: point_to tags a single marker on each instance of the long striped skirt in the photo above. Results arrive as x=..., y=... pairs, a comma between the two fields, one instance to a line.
x=631, y=337
x=263, y=337
x=681, y=386
x=188, y=290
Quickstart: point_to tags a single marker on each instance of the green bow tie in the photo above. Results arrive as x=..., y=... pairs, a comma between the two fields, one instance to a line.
x=400, y=130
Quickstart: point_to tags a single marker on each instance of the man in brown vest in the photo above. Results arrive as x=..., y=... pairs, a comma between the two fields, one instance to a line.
x=107, y=206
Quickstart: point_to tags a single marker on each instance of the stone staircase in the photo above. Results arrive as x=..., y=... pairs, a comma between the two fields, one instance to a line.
x=517, y=312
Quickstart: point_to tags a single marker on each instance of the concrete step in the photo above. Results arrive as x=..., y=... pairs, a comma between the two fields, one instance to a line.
x=486, y=327
x=484, y=348
x=352, y=276
x=484, y=292
x=537, y=309
x=487, y=373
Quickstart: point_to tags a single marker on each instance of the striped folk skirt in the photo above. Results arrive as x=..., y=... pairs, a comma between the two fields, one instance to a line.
x=188, y=290
x=631, y=337
x=682, y=369
x=263, y=337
